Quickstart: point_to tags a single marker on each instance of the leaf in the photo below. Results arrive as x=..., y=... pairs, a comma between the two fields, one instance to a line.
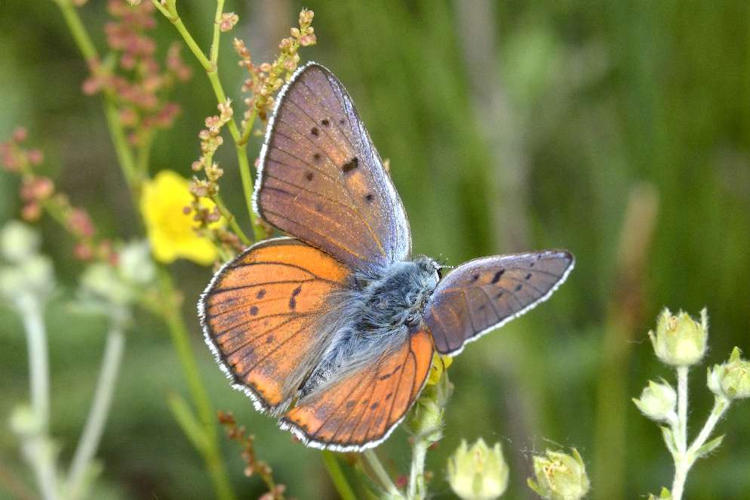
x=709, y=447
x=669, y=439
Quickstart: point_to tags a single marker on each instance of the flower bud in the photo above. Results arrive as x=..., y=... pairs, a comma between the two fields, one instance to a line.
x=559, y=476
x=478, y=472
x=657, y=401
x=680, y=340
x=731, y=379
x=18, y=241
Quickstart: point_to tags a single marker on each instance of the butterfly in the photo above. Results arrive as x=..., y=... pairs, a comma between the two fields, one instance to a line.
x=333, y=329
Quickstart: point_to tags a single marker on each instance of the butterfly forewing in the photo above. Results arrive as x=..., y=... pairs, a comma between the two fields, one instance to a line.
x=260, y=316
x=362, y=408
x=485, y=293
x=321, y=179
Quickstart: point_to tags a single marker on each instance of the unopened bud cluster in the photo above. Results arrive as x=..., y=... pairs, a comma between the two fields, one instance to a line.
x=39, y=194
x=138, y=81
x=267, y=78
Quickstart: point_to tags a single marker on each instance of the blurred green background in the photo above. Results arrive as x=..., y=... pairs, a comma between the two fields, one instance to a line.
x=509, y=125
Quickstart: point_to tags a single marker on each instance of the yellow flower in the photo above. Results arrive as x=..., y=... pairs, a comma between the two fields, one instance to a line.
x=439, y=364
x=170, y=230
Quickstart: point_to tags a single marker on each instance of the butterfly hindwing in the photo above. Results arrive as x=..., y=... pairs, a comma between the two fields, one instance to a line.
x=362, y=408
x=321, y=179
x=485, y=293
x=259, y=316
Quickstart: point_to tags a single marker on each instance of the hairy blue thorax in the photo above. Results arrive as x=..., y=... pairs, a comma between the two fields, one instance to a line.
x=374, y=314
x=396, y=299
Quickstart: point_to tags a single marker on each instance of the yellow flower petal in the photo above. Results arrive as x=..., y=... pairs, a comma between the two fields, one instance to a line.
x=171, y=231
x=439, y=364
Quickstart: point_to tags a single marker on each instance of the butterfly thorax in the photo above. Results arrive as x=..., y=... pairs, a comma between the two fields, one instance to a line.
x=376, y=313
x=397, y=298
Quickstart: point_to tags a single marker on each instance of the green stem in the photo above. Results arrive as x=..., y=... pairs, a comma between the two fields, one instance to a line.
x=170, y=12
x=382, y=475
x=337, y=476
x=685, y=458
x=37, y=448
x=416, y=489
x=231, y=220
x=172, y=316
x=682, y=403
x=214, y=52
x=721, y=405
x=105, y=386
x=188, y=423
x=90, y=54
x=80, y=35
x=206, y=414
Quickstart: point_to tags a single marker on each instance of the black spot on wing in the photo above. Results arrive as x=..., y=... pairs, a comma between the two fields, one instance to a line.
x=497, y=276
x=350, y=165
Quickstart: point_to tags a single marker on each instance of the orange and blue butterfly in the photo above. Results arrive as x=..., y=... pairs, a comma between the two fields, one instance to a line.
x=333, y=329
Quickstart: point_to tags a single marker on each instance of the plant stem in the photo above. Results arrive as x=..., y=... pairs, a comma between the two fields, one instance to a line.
x=174, y=320
x=206, y=414
x=90, y=54
x=37, y=447
x=80, y=35
x=682, y=402
x=187, y=421
x=684, y=460
x=231, y=220
x=721, y=405
x=214, y=51
x=31, y=312
x=210, y=66
x=382, y=475
x=337, y=476
x=416, y=489
x=100, y=406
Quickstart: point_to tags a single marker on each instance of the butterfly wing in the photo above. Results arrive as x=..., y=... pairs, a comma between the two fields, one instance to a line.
x=360, y=410
x=321, y=180
x=259, y=317
x=486, y=293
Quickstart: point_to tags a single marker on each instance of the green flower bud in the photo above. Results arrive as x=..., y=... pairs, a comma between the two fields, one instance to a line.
x=680, y=340
x=657, y=401
x=731, y=379
x=18, y=241
x=478, y=472
x=559, y=476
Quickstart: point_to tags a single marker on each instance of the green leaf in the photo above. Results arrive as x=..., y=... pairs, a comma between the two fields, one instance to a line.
x=709, y=447
x=669, y=439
